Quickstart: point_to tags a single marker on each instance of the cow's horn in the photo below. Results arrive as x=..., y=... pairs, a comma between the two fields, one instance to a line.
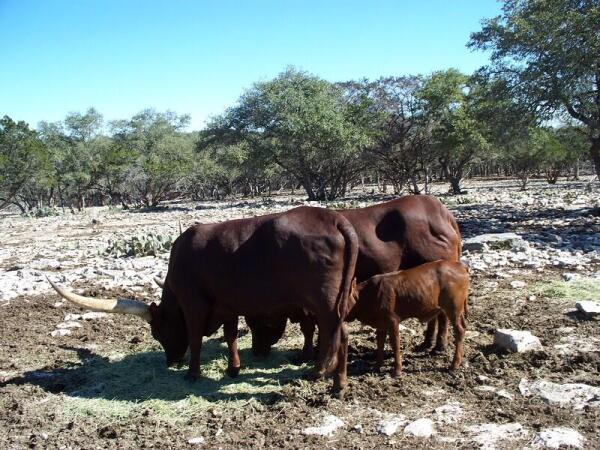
x=119, y=306
x=160, y=283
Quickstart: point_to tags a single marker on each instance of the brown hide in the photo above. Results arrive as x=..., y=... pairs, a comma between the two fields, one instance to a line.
x=398, y=234
x=303, y=258
x=422, y=292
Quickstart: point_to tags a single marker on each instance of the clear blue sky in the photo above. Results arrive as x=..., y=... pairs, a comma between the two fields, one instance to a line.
x=196, y=57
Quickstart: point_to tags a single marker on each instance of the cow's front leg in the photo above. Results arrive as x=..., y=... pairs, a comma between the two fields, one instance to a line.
x=196, y=313
x=230, y=330
x=308, y=325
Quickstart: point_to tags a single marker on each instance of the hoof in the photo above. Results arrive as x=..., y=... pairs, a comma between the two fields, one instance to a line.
x=233, y=372
x=340, y=394
x=396, y=373
x=191, y=377
x=424, y=347
x=317, y=374
x=438, y=350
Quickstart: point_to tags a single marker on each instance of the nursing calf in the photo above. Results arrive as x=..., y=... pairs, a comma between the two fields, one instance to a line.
x=423, y=292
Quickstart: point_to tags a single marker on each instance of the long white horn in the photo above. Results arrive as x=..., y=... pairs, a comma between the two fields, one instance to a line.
x=118, y=306
x=161, y=284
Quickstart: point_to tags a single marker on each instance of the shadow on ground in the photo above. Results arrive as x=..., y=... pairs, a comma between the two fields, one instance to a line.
x=144, y=376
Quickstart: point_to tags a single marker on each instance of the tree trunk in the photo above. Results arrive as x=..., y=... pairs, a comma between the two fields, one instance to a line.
x=595, y=154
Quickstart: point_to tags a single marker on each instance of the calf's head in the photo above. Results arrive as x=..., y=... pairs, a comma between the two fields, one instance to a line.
x=166, y=319
x=265, y=333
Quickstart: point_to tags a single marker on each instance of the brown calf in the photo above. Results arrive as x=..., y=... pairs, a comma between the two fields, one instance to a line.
x=423, y=292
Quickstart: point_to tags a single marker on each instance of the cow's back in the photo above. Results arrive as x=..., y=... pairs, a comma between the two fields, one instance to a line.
x=403, y=233
x=258, y=263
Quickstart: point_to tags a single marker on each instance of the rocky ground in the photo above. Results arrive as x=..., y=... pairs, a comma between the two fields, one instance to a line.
x=70, y=379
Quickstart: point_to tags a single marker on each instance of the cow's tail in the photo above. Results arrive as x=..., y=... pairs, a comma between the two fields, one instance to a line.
x=350, y=255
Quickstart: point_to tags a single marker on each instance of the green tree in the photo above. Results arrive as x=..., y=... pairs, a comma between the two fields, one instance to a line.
x=301, y=123
x=550, y=50
x=162, y=154
x=401, y=147
x=452, y=102
x=24, y=163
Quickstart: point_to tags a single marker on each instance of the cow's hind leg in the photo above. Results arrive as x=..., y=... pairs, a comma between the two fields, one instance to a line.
x=341, y=375
x=230, y=330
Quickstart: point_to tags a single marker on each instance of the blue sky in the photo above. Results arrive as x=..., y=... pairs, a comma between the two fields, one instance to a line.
x=197, y=57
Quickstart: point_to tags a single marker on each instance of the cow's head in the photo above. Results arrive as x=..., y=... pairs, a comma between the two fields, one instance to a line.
x=165, y=319
x=265, y=333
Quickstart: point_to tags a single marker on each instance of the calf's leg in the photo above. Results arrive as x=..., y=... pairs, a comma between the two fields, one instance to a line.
x=459, y=341
x=441, y=343
x=429, y=337
x=394, y=334
x=381, y=334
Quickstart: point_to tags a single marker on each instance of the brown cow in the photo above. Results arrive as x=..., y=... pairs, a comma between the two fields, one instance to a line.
x=398, y=234
x=302, y=258
x=423, y=292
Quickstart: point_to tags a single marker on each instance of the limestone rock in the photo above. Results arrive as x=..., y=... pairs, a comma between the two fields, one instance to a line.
x=558, y=437
x=516, y=340
x=570, y=395
x=420, y=428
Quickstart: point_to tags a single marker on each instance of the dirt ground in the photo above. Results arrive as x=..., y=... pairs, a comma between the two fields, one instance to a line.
x=106, y=384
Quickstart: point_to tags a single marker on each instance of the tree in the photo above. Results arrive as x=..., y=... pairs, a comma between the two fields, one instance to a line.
x=23, y=162
x=401, y=146
x=451, y=103
x=550, y=50
x=301, y=123
x=162, y=154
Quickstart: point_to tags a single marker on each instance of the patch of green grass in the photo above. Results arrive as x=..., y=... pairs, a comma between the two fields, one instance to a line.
x=115, y=388
x=583, y=289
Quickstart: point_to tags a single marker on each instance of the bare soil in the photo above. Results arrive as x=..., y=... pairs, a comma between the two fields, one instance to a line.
x=106, y=385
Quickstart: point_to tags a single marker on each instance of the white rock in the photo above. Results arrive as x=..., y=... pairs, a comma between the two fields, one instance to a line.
x=558, y=437
x=570, y=395
x=69, y=324
x=518, y=284
x=72, y=317
x=569, y=276
x=489, y=434
x=92, y=315
x=479, y=243
x=420, y=428
x=588, y=307
x=60, y=332
x=499, y=392
x=448, y=413
x=330, y=424
x=516, y=340
x=390, y=426
x=196, y=440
